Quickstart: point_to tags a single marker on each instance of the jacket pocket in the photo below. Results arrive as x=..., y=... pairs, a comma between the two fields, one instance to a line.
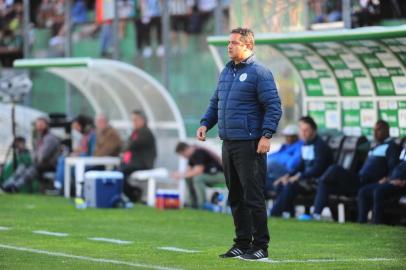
x=236, y=123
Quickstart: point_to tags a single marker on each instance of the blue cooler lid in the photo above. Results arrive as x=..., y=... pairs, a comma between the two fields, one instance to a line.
x=91, y=175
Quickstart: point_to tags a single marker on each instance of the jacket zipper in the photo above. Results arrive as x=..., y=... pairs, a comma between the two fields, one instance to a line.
x=226, y=100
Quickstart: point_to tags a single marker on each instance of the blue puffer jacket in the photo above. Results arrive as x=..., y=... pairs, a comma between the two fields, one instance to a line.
x=246, y=102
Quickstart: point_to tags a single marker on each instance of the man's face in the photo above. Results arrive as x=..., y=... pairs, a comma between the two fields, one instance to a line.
x=236, y=48
x=76, y=126
x=187, y=153
x=41, y=126
x=101, y=122
x=306, y=132
x=380, y=132
x=20, y=145
x=138, y=121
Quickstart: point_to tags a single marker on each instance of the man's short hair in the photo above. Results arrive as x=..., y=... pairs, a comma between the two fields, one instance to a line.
x=309, y=120
x=247, y=35
x=181, y=147
x=19, y=139
x=140, y=114
x=383, y=123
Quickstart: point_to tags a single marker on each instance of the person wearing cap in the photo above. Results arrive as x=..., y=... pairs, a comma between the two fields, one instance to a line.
x=285, y=159
x=316, y=157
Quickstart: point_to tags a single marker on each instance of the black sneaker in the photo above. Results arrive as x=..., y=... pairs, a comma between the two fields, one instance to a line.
x=255, y=254
x=234, y=252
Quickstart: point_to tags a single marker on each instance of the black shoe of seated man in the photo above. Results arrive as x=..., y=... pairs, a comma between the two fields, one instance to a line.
x=255, y=254
x=9, y=189
x=234, y=252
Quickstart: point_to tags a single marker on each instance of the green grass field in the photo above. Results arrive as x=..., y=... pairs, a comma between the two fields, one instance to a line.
x=293, y=244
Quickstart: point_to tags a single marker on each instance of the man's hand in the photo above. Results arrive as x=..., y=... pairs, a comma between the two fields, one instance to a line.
x=264, y=145
x=294, y=178
x=281, y=180
x=398, y=183
x=383, y=180
x=176, y=175
x=201, y=133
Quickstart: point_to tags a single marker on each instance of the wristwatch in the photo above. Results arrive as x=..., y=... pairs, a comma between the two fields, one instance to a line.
x=267, y=135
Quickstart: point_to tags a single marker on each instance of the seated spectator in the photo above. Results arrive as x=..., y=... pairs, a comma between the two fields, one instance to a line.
x=140, y=152
x=381, y=160
x=46, y=151
x=286, y=158
x=83, y=131
x=84, y=125
x=372, y=196
x=366, y=13
x=316, y=156
x=23, y=158
x=108, y=142
x=204, y=169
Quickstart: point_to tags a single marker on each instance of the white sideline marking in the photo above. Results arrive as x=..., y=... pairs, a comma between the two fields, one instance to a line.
x=58, y=234
x=320, y=260
x=4, y=228
x=86, y=258
x=109, y=240
x=178, y=249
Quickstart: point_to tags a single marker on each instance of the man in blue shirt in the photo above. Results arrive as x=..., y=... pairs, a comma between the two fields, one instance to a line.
x=247, y=109
x=316, y=156
x=381, y=160
x=286, y=159
x=372, y=196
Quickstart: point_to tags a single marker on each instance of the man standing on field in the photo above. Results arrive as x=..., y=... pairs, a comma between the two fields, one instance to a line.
x=247, y=109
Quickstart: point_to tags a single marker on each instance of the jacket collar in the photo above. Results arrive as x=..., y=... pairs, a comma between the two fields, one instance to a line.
x=312, y=141
x=247, y=61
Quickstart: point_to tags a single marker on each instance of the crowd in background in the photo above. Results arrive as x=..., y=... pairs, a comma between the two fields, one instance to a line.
x=186, y=17
x=363, y=13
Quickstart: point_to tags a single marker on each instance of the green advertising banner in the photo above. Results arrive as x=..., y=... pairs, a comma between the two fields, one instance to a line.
x=325, y=114
x=385, y=68
x=317, y=78
x=358, y=118
x=350, y=73
x=402, y=118
x=394, y=112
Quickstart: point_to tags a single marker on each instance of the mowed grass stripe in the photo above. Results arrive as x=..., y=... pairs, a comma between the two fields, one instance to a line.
x=110, y=240
x=86, y=258
x=57, y=234
x=322, y=260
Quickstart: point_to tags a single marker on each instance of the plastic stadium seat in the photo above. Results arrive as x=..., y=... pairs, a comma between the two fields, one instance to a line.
x=353, y=153
x=352, y=156
x=336, y=143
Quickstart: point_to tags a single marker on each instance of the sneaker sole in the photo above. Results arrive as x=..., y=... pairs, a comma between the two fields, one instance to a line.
x=254, y=260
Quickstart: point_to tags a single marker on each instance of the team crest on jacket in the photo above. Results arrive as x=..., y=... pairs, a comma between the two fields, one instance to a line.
x=243, y=77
